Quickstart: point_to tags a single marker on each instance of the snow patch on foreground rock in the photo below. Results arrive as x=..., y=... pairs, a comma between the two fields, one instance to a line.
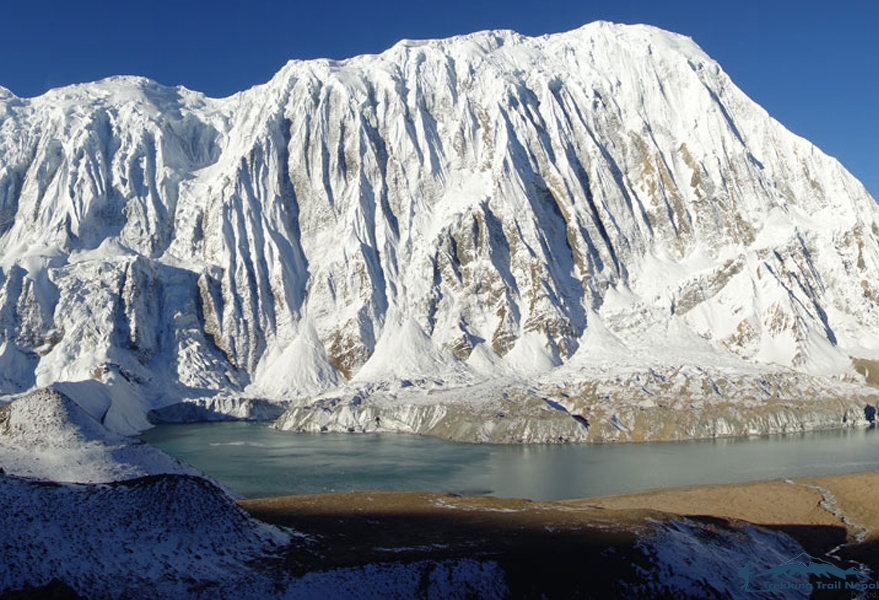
x=691, y=559
x=153, y=537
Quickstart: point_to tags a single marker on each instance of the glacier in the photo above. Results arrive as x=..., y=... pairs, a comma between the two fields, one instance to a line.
x=586, y=236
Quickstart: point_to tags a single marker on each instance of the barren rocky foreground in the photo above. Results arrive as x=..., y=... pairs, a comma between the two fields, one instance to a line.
x=591, y=547
x=178, y=536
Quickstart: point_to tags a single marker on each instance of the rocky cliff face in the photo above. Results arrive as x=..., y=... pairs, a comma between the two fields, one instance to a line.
x=487, y=207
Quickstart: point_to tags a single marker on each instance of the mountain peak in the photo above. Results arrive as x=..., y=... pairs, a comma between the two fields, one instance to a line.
x=493, y=202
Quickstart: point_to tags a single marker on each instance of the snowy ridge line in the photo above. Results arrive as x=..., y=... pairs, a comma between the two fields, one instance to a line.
x=134, y=481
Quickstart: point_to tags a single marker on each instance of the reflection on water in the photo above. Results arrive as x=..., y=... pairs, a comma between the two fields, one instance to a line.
x=257, y=461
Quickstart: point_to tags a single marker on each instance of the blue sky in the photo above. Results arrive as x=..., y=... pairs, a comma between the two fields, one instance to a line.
x=813, y=65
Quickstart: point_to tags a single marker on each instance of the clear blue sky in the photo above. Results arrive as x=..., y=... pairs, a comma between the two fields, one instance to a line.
x=814, y=65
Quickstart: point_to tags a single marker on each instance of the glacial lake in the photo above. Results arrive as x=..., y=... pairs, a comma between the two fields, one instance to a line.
x=256, y=461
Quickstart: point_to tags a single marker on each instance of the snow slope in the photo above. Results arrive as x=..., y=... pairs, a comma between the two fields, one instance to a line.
x=175, y=536
x=712, y=557
x=159, y=537
x=46, y=435
x=485, y=207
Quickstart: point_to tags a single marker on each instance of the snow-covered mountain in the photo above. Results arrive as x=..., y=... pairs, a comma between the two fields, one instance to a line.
x=490, y=207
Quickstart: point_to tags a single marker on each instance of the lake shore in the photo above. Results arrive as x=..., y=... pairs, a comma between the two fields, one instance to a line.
x=560, y=537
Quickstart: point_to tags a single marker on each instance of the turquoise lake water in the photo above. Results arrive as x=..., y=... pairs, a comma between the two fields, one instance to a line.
x=257, y=461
